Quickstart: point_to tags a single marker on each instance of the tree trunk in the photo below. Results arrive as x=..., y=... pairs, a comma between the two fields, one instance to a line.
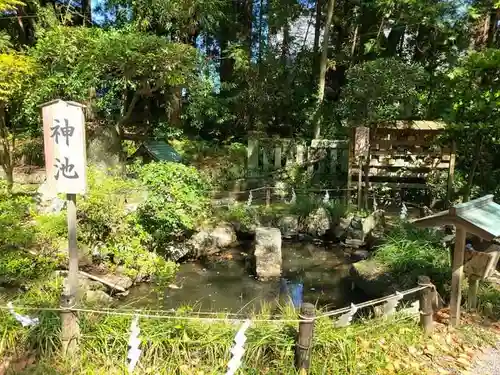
x=175, y=108
x=6, y=150
x=317, y=33
x=322, y=70
x=470, y=178
x=87, y=12
x=261, y=21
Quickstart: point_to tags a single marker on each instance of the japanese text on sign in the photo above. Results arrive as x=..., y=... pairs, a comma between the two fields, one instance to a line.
x=64, y=142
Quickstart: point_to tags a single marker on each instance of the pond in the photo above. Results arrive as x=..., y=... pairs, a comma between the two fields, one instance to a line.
x=225, y=283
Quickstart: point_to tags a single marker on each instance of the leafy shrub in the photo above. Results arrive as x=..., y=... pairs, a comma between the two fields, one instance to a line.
x=51, y=230
x=245, y=216
x=17, y=265
x=129, y=250
x=102, y=213
x=176, y=202
x=303, y=206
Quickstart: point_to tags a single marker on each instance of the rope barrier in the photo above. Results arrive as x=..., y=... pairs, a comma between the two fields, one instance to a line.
x=138, y=313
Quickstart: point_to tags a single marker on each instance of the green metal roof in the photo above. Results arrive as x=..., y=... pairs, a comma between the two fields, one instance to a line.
x=480, y=217
x=162, y=151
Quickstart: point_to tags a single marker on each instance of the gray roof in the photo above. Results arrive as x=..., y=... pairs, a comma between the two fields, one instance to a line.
x=480, y=217
x=162, y=151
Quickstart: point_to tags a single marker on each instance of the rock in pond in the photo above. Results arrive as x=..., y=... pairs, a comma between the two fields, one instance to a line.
x=318, y=222
x=209, y=242
x=97, y=297
x=289, y=225
x=359, y=255
x=267, y=252
x=373, y=278
x=113, y=281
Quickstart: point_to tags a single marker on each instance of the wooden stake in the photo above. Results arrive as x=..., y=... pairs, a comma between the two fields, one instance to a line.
x=451, y=174
x=426, y=309
x=472, y=294
x=360, y=183
x=70, y=331
x=304, y=340
x=268, y=197
x=457, y=276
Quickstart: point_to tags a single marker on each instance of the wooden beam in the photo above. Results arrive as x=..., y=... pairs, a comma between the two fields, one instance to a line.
x=457, y=276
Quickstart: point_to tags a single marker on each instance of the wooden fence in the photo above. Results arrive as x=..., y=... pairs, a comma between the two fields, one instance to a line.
x=323, y=158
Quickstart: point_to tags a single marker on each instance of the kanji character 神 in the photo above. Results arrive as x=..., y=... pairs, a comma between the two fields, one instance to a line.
x=66, y=131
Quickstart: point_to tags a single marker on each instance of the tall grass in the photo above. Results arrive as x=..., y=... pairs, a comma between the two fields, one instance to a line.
x=409, y=252
x=177, y=346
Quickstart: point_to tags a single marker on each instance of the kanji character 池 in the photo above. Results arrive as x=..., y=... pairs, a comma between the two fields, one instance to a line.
x=66, y=169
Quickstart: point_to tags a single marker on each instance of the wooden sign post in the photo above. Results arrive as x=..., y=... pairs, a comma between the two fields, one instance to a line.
x=65, y=165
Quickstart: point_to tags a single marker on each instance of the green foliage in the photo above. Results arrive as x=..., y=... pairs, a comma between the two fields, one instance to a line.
x=409, y=252
x=177, y=200
x=220, y=164
x=15, y=69
x=17, y=264
x=102, y=214
x=246, y=217
x=489, y=300
x=381, y=90
x=129, y=249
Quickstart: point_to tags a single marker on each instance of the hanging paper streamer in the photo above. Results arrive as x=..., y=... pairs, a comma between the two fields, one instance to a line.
x=404, y=212
x=326, y=198
x=346, y=318
x=250, y=198
x=134, y=352
x=391, y=305
x=294, y=197
x=375, y=204
x=237, y=351
x=25, y=320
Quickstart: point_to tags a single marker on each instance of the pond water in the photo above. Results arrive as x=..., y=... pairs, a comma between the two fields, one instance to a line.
x=224, y=283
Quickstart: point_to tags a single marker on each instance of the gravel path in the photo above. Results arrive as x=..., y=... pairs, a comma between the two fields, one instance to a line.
x=488, y=363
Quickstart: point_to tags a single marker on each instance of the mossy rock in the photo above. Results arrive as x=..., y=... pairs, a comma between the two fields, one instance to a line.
x=375, y=279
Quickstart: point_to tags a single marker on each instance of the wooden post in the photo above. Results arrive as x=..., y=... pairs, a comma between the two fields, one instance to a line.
x=70, y=331
x=472, y=294
x=457, y=276
x=304, y=340
x=350, y=163
x=451, y=174
x=426, y=309
x=360, y=183
x=268, y=197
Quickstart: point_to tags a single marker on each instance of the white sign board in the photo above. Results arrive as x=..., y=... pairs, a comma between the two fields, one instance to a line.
x=64, y=143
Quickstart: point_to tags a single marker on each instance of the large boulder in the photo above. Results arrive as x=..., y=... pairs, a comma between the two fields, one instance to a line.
x=318, y=222
x=209, y=242
x=104, y=148
x=223, y=236
x=374, y=278
x=289, y=225
x=267, y=252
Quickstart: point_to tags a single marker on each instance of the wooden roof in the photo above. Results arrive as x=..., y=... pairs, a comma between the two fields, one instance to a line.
x=414, y=124
x=480, y=217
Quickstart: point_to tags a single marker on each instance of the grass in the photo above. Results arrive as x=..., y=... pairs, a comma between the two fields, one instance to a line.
x=408, y=252
x=176, y=346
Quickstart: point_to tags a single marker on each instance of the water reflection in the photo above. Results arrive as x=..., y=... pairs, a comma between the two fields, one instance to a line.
x=311, y=273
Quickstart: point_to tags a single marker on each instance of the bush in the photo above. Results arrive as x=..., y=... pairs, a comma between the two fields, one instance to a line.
x=129, y=250
x=102, y=214
x=176, y=202
x=17, y=236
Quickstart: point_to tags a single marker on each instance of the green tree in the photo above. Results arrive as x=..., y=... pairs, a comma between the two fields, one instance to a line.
x=15, y=71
